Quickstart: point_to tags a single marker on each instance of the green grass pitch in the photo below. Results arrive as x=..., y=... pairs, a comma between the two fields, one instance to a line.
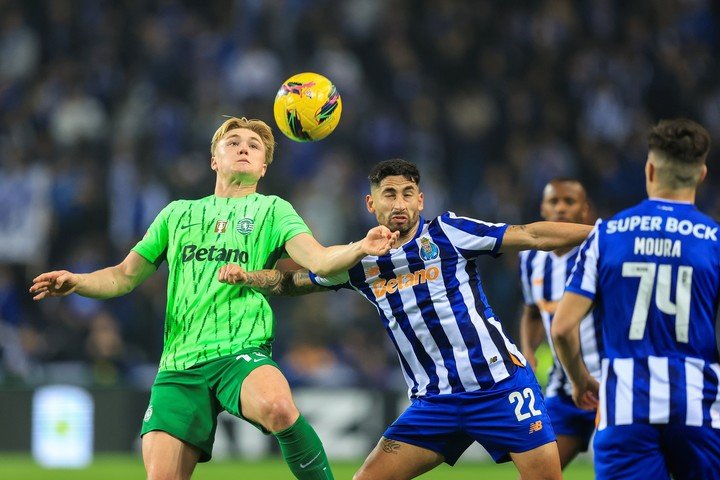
x=126, y=467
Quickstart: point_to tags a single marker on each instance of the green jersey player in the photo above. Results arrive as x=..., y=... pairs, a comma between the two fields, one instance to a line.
x=217, y=348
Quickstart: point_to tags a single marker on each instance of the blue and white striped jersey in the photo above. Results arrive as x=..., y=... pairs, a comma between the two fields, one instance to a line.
x=654, y=273
x=431, y=302
x=543, y=276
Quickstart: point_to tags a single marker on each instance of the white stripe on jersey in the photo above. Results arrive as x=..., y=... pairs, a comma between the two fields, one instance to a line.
x=602, y=394
x=659, y=390
x=407, y=296
x=623, y=368
x=508, y=344
x=452, y=330
x=589, y=280
x=408, y=353
x=694, y=391
x=462, y=240
x=715, y=407
x=489, y=349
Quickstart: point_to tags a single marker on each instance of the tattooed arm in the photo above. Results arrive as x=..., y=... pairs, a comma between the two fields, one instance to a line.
x=270, y=282
x=543, y=236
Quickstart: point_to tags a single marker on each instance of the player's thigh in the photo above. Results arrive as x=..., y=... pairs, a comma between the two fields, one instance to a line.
x=573, y=426
x=167, y=457
x=568, y=448
x=265, y=398
x=692, y=453
x=509, y=418
x=629, y=452
x=249, y=385
x=540, y=463
x=394, y=460
x=183, y=406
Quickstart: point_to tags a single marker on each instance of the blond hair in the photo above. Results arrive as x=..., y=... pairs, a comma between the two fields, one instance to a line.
x=257, y=126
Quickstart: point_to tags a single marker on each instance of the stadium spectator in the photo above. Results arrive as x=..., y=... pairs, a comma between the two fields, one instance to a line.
x=158, y=73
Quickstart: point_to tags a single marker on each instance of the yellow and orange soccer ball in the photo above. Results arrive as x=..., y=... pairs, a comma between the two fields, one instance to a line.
x=307, y=107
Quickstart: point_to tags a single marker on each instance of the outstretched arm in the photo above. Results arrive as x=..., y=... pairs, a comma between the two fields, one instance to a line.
x=270, y=282
x=565, y=332
x=544, y=236
x=326, y=261
x=106, y=283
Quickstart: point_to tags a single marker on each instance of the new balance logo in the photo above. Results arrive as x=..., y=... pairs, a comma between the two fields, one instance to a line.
x=305, y=465
x=536, y=426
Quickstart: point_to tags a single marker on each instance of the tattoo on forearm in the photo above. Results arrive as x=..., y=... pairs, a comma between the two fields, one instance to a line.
x=390, y=446
x=265, y=279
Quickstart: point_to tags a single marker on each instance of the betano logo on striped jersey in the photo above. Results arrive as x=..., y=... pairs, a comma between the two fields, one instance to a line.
x=381, y=287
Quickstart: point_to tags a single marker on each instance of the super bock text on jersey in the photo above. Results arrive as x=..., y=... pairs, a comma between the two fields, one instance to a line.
x=653, y=272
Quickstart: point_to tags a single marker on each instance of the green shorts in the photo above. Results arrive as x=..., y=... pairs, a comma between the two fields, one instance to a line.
x=186, y=403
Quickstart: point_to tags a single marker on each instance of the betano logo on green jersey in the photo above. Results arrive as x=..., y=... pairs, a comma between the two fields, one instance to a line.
x=213, y=254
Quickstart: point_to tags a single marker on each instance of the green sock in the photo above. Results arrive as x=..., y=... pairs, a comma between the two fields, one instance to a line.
x=303, y=452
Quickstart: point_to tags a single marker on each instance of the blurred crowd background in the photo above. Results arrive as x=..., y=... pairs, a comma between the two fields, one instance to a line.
x=107, y=109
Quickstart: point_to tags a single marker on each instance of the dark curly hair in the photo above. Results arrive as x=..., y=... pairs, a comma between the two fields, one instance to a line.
x=680, y=140
x=394, y=166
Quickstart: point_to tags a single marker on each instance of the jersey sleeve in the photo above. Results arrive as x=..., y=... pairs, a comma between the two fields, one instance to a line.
x=584, y=275
x=525, y=260
x=473, y=237
x=289, y=223
x=334, y=282
x=153, y=246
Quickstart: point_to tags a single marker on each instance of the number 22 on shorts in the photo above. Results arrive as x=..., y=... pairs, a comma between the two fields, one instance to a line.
x=519, y=400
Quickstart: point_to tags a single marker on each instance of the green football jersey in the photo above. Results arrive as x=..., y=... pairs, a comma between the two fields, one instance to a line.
x=206, y=319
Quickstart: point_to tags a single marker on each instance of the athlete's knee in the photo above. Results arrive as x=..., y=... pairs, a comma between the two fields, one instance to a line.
x=161, y=471
x=278, y=414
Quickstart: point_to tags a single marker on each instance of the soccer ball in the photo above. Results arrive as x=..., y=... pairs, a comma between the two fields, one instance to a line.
x=307, y=107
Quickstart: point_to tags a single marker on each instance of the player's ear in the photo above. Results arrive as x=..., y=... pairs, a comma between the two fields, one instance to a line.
x=369, y=203
x=649, y=170
x=703, y=174
x=213, y=163
x=421, y=202
x=264, y=170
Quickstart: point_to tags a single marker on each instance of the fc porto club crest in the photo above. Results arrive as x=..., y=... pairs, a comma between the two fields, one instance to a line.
x=245, y=226
x=428, y=250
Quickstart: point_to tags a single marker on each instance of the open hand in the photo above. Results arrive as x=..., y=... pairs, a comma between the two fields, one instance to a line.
x=379, y=240
x=233, y=274
x=57, y=283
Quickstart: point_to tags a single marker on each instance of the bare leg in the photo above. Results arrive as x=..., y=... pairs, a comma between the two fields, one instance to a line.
x=265, y=398
x=569, y=447
x=393, y=460
x=167, y=457
x=541, y=463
